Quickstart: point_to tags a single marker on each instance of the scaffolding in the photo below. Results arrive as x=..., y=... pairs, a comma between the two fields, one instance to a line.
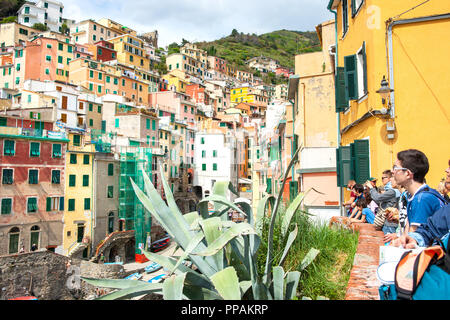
x=133, y=162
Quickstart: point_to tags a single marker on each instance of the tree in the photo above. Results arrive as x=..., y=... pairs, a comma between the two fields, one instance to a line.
x=234, y=33
x=173, y=48
x=9, y=19
x=65, y=29
x=40, y=27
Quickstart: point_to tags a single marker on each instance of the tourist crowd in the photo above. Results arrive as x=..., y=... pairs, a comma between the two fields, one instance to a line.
x=408, y=211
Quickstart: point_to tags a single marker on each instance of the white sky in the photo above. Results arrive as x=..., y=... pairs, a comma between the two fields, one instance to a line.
x=202, y=20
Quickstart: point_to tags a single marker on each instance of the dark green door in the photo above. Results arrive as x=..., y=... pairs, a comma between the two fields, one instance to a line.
x=34, y=238
x=80, y=233
x=13, y=243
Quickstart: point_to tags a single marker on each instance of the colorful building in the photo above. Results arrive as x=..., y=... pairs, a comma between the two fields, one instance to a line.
x=409, y=52
x=32, y=189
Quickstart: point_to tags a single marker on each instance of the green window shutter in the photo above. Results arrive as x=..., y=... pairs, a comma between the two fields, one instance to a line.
x=203, y=141
x=56, y=176
x=32, y=205
x=61, y=203
x=214, y=166
x=91, y=74
x=73, y=158
x=87, y=204
x=6, y=206
x=85, y=180
x=110, y=192
x=351, y=77
x=49, y=204
x=76, y=139
x=7, y=176
x=293, y=189
x=90, y=107
x=269, y=185
x=71, y=205
x=91, y=122
x=344, y=167
x=116, y=123
x=56, y=151
x=153, y=141
x=33, y=177
x=353, y=8
x=360, y=160
x=215, y=153
x=203, y=153
x=60, y=59
x=103, y=126
x=8, y=147
x=153, y=125
x=364, y=67
x=341, y=96
x=147, y=123
x=72, y=180
x=108, y=79
x=86, y=159
x=204, y=167
x=110, y=169
x=34, y=149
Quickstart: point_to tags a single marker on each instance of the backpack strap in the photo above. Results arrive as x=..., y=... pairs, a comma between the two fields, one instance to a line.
x=427, y=189
x=411, y=267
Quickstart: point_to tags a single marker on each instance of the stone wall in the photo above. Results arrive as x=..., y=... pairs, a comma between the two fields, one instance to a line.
x=363, y=283
x=50, y=276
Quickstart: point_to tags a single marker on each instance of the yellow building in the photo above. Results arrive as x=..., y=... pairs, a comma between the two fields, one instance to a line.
x=130, y=51
x=411, y=52
x=78, y=206
x=241, y=94
x=178, y=82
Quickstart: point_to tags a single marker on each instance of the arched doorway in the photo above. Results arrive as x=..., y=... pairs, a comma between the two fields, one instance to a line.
x=13, y=235
x=113, y=252
x=35, y=232
x=129, y=251
x=110, y=222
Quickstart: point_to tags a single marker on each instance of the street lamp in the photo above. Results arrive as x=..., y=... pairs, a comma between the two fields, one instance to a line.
x=385, y=90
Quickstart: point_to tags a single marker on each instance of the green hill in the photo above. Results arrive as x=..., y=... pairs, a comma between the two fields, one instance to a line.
x=280, y=45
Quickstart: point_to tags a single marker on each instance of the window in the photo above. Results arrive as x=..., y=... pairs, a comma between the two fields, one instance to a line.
x=48, y=58
x=56, y=151
x=6, y=206
x=110, y=169
x=91, y=122
x=87, y=203
x=110, y=193
x=344, y=17
x=60, y=59
x=202, y=141
x=73, y=158
x=148, y=123
x=91, y=74
x=54, y=203
x=352, y=162
x=204, y=167
x=33, y=176
x=356, y=5
x=32, y=205
x=214, y=166
x=72, y=180
x=203, y=154
x=108, y=79
x=71, y=205
x=355, y=74
x=153, y=125
x=9, y=147
x=116, y=124
x=86, y=159
x=215, y=153
x=56, y=176
x=85, y=180
x=100, y=76
x=7, y=176
x=76, y=139
x=90, y=106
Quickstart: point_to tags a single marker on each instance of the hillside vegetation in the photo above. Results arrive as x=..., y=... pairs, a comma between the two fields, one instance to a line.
x=280, y=45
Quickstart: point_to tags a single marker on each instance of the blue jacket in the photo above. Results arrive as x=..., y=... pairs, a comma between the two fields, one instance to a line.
x=437, y=226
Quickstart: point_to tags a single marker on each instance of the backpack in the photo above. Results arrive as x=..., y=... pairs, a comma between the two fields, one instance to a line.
x=433, y=192
x=421, y=276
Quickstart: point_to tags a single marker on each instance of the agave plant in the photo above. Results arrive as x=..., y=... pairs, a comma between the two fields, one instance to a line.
x=223, y=252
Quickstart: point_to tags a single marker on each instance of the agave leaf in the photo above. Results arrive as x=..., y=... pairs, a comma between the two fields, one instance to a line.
x=142, y=289
x=212, y=230
x=191, y=217
x=292, y=279
x=113, y=283
x=289, y=243
x=222, y=200
x=226, y=283
x=220, y=188
x=244, y=286
x=290, y=212
x=269, y=257
x=278, y=283
x=173, y=222
x=194, y=292
x=169, y=196
x=227, y=236
x=173, y=287
x=308, y=259
x=261, y=212
x=191, y=247
x=169, y=263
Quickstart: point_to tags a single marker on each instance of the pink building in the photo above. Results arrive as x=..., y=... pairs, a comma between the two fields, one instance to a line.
x=285, y=72
x=217, y=64
x=174, y=102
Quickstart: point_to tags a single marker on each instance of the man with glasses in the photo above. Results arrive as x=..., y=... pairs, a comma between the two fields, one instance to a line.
x=409, y=171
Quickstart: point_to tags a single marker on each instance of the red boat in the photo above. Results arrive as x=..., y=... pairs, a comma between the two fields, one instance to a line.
x=160, y=244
